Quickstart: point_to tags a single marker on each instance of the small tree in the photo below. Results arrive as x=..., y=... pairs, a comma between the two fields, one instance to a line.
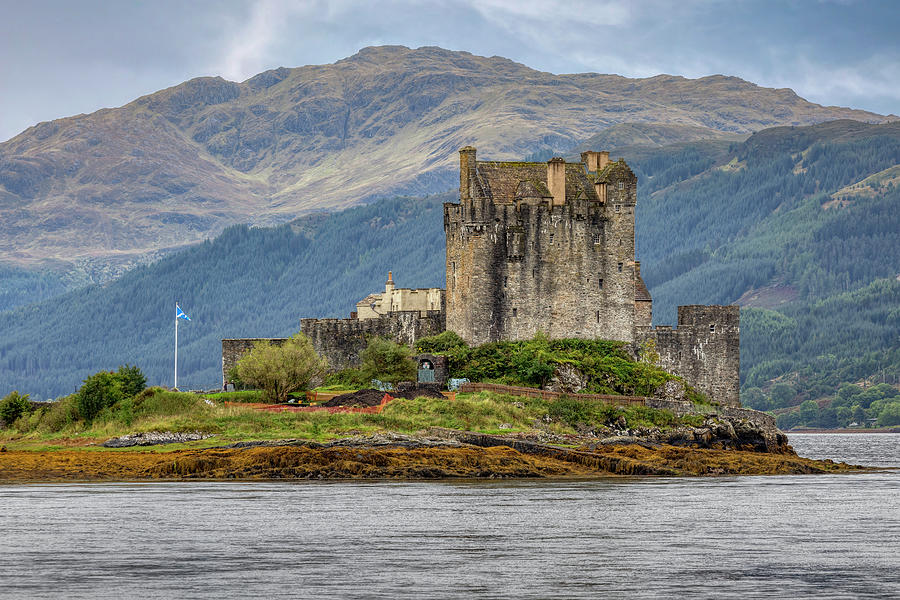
x=131, y=380
x=98, y=391
x=387, y=361
x=283, y=369
x=13, y=406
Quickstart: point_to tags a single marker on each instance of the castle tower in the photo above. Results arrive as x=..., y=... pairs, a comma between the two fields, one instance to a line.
x=542, y=247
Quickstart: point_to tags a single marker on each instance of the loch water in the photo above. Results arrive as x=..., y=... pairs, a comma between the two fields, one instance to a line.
x=813, y=536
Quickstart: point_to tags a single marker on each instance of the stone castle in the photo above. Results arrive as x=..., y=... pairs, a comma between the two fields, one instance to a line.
x=544, y=247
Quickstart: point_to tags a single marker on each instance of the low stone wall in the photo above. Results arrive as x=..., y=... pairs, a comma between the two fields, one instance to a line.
x=469, y=388
x=687, y=408
x=705, y=349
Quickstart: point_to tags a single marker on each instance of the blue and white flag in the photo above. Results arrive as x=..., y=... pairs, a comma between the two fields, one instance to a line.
x=179, y=314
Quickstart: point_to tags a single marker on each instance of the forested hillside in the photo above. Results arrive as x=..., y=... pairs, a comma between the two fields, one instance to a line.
x=248, y=282
x=801, y=226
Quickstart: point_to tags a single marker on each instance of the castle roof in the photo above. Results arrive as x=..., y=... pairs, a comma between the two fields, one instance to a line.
x=641, y=293
x=504, y=181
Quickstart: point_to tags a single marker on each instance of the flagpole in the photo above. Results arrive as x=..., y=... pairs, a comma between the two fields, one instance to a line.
x=176, y=345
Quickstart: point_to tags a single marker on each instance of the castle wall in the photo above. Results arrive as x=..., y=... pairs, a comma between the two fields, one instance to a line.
x=342, y=340
x=704, y=349
x=234, y=349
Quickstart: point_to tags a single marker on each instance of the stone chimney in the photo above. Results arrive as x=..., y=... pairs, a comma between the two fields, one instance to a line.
x=602, y=160
x=466, y=169
x=556, y=180
x=591, y=159
x=389, y=285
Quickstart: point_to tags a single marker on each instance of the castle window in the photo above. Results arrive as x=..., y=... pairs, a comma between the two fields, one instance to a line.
x=596, y=238
x=515, y=312
x=601, y=283
x=505, y=280
x=534, y=272
x=618, y=208
x=621, y=185
x=598, y=316
x=454, y=267
x=551, y=238
x=620, y=267
x=712, y=328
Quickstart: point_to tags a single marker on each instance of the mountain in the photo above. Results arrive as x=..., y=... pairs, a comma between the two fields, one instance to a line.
x=175, y=167
x=799, y=225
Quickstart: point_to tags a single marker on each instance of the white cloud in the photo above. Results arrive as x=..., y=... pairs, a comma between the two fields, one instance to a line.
x=248, y=50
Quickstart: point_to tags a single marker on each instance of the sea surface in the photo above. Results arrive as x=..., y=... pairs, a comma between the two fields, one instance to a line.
x=812, y=536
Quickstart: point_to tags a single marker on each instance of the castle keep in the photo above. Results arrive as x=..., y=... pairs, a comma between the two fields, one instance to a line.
x=540, y=247
x=544, y=247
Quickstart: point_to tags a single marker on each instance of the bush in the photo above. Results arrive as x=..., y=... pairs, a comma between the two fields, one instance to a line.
x=99, y=391
x=345, y=379
x=60, y=414
x=13, y=406
x=387, y=361
x=131, y=379
x=280, y=370
x=443, y=342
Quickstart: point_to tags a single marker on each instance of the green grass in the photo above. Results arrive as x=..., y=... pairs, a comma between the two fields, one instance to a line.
x=241, y=396
x=160, y=410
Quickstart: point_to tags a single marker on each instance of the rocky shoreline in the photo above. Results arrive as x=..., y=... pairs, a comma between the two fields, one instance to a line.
x=718, y=447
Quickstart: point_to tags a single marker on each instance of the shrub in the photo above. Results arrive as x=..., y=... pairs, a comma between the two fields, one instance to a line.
x=387, y=361
x=443, y=342
x=345, y=379
x=13, y=406
x=61, y=414
x=280, y=370
x=131, y=379
x=99, y=391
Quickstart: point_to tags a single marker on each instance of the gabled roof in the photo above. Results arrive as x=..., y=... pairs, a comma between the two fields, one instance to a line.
x=504, y=181
x=641, y=293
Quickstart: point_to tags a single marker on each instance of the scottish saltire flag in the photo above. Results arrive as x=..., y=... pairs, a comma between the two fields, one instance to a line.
x=179, y=314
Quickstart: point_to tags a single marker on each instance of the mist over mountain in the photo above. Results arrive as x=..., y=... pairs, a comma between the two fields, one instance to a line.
x=100, y=193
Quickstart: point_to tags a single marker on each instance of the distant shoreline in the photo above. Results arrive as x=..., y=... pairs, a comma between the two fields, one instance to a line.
x=854, y=431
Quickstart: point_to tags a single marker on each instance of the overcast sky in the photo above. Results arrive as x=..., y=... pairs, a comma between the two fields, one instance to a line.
x=59, y=58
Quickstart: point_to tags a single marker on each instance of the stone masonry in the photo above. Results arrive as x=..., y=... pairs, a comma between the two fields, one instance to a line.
x=542, y=247
x=342, y=340
x=550, y=247
x=705, y=349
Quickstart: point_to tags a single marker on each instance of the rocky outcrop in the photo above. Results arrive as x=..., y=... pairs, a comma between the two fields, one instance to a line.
x=153, y=438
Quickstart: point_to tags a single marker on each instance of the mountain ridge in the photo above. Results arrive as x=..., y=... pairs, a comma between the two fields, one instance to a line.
x=176, y=166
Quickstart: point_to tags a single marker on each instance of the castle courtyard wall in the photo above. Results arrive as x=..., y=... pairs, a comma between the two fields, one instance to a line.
x=342, y=340
x=704, y=349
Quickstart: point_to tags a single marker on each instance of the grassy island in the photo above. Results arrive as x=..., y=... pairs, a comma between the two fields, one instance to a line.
x=175, y=435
